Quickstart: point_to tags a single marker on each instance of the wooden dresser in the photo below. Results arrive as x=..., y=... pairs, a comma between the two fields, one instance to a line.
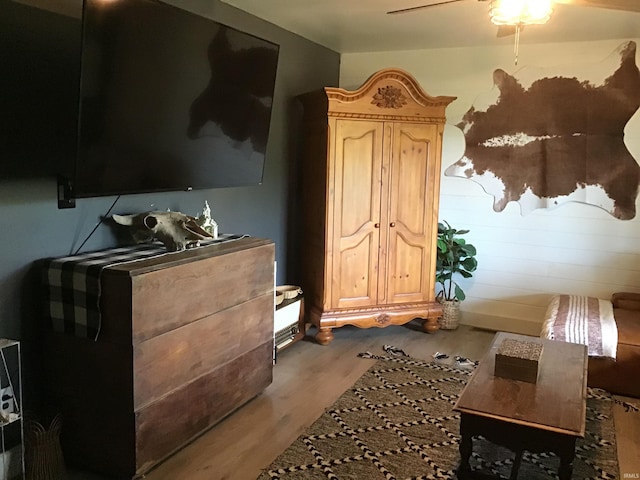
x=371, y=185
x=185, y=339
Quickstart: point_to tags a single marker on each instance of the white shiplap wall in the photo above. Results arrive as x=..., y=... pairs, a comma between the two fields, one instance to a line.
x=523, y=260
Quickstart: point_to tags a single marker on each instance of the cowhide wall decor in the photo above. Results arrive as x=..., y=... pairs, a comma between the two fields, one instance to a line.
x=542, y=139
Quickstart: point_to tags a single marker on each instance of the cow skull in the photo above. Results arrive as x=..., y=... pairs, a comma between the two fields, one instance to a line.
x=175, y=230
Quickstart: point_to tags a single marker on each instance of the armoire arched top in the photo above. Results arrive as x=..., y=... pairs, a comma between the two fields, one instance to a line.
x=389, y=94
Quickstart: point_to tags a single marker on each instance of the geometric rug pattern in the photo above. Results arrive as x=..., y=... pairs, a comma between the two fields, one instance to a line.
x=397, y=422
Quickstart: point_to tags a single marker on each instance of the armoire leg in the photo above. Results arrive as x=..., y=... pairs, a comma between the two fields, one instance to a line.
x=324, y=336
x=430, y=325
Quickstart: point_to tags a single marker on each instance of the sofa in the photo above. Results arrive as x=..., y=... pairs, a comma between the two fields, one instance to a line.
x=621, y=376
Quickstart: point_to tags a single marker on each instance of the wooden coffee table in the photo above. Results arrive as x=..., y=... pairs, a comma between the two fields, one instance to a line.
x=547, y=416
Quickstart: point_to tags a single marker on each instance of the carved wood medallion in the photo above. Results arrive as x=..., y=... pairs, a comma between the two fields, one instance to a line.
x=389, y=97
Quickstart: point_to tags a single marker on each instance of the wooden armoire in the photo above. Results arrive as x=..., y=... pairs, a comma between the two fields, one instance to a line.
x=370, y=174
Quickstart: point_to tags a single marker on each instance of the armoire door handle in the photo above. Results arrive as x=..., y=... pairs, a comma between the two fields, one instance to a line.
x=392, y=224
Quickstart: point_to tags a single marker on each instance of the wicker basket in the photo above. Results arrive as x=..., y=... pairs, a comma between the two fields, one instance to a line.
x=43, y=453
x=289, y=291
x=450, y=314
x=279, y=298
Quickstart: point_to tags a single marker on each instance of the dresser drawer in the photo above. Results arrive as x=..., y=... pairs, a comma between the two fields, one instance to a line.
x=166, y=362
x=169, y=423
x=141, y=301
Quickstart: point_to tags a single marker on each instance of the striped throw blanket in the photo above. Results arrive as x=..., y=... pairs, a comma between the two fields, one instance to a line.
x=585, y=320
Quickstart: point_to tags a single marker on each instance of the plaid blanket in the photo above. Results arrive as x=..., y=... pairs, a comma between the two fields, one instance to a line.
x=72, y=284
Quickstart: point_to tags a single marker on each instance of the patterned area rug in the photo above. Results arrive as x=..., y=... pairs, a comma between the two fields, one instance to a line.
x=397, y=422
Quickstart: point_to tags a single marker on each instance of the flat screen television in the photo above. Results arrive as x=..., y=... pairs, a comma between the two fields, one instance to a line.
x=40, y=66
x=169, y=100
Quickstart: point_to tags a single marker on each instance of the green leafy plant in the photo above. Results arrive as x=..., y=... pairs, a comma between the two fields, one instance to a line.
x=455, y=257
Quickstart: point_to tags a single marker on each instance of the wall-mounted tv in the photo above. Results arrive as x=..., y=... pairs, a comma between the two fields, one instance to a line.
x=169, y=100
x=40, y=67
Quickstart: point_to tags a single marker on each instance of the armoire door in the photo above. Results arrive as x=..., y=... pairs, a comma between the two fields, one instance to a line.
x=411, y=237
x=356, y=179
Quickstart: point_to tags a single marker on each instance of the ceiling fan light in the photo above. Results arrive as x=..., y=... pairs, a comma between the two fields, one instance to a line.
x=520, y=12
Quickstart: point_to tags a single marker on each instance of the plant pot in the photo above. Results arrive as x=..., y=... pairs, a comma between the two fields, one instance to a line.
x=450, y=314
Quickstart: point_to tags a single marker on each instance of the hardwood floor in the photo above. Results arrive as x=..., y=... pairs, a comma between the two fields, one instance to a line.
x=308, y=378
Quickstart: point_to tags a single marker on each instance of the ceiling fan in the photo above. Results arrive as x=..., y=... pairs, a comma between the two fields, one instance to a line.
x=512, y=15
x=625, y=5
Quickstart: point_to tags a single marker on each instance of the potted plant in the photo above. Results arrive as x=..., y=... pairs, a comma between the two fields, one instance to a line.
x=454, y=257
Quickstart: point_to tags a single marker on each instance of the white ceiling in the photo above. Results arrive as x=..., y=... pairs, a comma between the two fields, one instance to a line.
x=350, y=26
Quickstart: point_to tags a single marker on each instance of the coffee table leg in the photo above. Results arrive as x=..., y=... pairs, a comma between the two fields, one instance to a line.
x=567, y=454
x=516, y=465
x=466, y=447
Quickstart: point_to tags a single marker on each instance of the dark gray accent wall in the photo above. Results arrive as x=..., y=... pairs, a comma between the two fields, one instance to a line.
x=32, y=227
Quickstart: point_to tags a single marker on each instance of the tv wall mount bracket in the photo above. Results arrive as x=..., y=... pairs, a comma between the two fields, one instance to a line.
x=65, y=193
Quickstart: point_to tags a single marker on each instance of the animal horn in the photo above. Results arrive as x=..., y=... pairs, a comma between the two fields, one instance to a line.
x=192, y=226
x=123, y=219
